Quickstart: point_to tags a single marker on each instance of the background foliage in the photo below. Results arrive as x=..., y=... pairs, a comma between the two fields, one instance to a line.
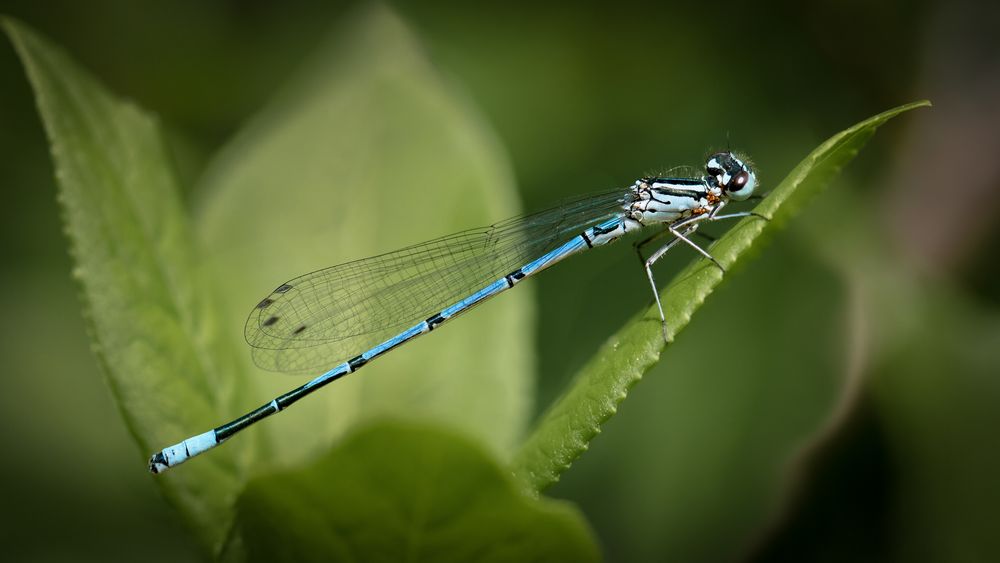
x=845, y=379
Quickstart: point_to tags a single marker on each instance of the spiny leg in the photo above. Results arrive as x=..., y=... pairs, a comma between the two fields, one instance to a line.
x=739, y=215
x=692, y=228
x=682, y=237
x=648, y=265
x=711, y=217
x=640, y=244
x=675, y=229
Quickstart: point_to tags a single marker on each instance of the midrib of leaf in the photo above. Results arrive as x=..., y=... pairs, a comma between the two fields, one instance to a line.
x=572, y=421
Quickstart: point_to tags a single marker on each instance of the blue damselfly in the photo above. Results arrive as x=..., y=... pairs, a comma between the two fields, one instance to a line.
x=313, y=323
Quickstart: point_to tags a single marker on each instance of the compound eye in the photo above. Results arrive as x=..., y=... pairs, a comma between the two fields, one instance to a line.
x=738, y=182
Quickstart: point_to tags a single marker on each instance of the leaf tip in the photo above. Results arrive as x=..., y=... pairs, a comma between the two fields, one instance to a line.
x=16, y=30
x=925, y=103
x=11, y=26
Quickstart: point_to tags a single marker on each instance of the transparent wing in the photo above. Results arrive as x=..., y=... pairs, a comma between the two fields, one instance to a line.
x=318, y=320
x=680, y=172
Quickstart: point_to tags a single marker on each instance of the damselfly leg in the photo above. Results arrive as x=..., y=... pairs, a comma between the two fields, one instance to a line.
x=681, y=230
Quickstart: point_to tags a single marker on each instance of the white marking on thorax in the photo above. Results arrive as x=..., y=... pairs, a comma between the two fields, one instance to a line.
x=664, y=203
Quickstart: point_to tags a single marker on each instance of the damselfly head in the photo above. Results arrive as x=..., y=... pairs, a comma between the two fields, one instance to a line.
x=736, y=178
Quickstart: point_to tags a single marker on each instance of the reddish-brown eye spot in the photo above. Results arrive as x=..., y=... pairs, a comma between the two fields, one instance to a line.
x=738, y=181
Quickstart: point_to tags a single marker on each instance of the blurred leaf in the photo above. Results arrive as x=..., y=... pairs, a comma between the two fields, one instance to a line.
x=911, y=478
x=368, y=151
x=575, y=418
x=448, y=501
x=937, y=393
x=151, y=319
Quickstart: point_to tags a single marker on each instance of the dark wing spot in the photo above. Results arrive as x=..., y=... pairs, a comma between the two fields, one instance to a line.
x=283, y=288
x=270, y=321
x=267, y=301
x=299, y=330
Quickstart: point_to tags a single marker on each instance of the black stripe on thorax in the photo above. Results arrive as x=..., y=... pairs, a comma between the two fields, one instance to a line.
x=693, y=194
x=677, y=181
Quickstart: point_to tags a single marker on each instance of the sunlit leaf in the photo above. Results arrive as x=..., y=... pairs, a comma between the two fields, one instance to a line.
x=152, y=319
x=368, y=150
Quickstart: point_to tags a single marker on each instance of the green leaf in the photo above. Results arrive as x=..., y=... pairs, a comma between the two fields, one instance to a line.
x=575, y=418
x=368, y=150
x=150, y=312
x=398, y=491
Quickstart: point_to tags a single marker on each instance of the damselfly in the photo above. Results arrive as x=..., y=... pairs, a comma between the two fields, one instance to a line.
x=313, y=322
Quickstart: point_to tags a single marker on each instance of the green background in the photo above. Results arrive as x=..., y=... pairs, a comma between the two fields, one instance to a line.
x=871, y=321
